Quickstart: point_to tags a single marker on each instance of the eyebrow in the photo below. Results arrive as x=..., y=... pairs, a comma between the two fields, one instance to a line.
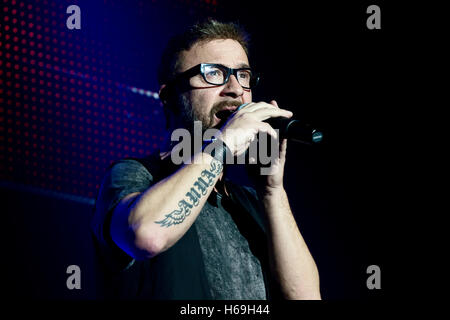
x=243, y=65
x=239, y=66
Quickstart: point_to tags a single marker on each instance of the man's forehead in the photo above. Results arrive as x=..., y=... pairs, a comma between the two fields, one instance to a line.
x=223, y=51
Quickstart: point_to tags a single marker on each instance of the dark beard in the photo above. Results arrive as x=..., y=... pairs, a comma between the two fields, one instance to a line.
x=188, y=115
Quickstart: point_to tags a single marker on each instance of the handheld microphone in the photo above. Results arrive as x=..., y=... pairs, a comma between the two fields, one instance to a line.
x=295, y=130
x=289, y=128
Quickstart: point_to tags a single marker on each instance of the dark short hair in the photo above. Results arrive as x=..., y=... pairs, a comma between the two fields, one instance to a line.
x=201, y=32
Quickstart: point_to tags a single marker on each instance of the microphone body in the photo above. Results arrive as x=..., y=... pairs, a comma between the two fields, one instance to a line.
x=295, y=130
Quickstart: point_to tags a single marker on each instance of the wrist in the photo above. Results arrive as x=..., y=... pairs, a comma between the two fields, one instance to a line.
x=218, y=150
x=269, y=192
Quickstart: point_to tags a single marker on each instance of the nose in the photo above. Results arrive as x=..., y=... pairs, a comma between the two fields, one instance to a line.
x=232, y=88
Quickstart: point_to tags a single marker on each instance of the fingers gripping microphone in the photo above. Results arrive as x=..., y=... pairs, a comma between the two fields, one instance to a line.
x=293, y=129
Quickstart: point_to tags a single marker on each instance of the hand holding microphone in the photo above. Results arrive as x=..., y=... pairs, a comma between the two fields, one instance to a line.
x=243, y=124
x=280, y=119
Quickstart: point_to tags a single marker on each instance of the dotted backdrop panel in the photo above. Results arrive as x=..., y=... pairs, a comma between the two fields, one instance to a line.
x=73, y=101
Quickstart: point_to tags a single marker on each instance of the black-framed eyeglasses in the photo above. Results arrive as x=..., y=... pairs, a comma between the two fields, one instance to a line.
x=217, y=74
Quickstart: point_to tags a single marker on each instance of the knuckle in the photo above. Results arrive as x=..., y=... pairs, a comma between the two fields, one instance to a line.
x=267, y=126
x=263, y=126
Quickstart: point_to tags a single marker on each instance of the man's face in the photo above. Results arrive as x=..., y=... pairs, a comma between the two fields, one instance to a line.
x=204, y=100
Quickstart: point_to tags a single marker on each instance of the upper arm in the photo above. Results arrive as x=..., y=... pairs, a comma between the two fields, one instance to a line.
x=120, y=189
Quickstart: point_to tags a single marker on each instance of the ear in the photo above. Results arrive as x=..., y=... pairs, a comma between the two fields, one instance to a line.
x=167, y=96
x=163, y=96
x=163, y=93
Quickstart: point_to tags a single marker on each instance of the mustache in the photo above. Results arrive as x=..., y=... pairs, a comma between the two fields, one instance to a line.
x=222, y=104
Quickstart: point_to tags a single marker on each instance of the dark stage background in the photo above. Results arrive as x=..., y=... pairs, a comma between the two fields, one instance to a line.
x=73, y=101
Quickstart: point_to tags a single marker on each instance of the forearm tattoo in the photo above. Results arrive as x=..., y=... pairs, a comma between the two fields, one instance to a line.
x=193, y=196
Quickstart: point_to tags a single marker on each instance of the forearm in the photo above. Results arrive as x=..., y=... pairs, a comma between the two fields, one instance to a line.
x=291, y=262
x=164, y=213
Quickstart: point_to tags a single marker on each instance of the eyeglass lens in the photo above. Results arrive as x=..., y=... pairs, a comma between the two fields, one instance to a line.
x=218, y=75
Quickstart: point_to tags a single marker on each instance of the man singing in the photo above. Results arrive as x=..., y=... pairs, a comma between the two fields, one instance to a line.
x=167, y=231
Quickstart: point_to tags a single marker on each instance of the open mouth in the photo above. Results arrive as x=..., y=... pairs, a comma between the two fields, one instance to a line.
x=223, y=115
x=225, y=110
